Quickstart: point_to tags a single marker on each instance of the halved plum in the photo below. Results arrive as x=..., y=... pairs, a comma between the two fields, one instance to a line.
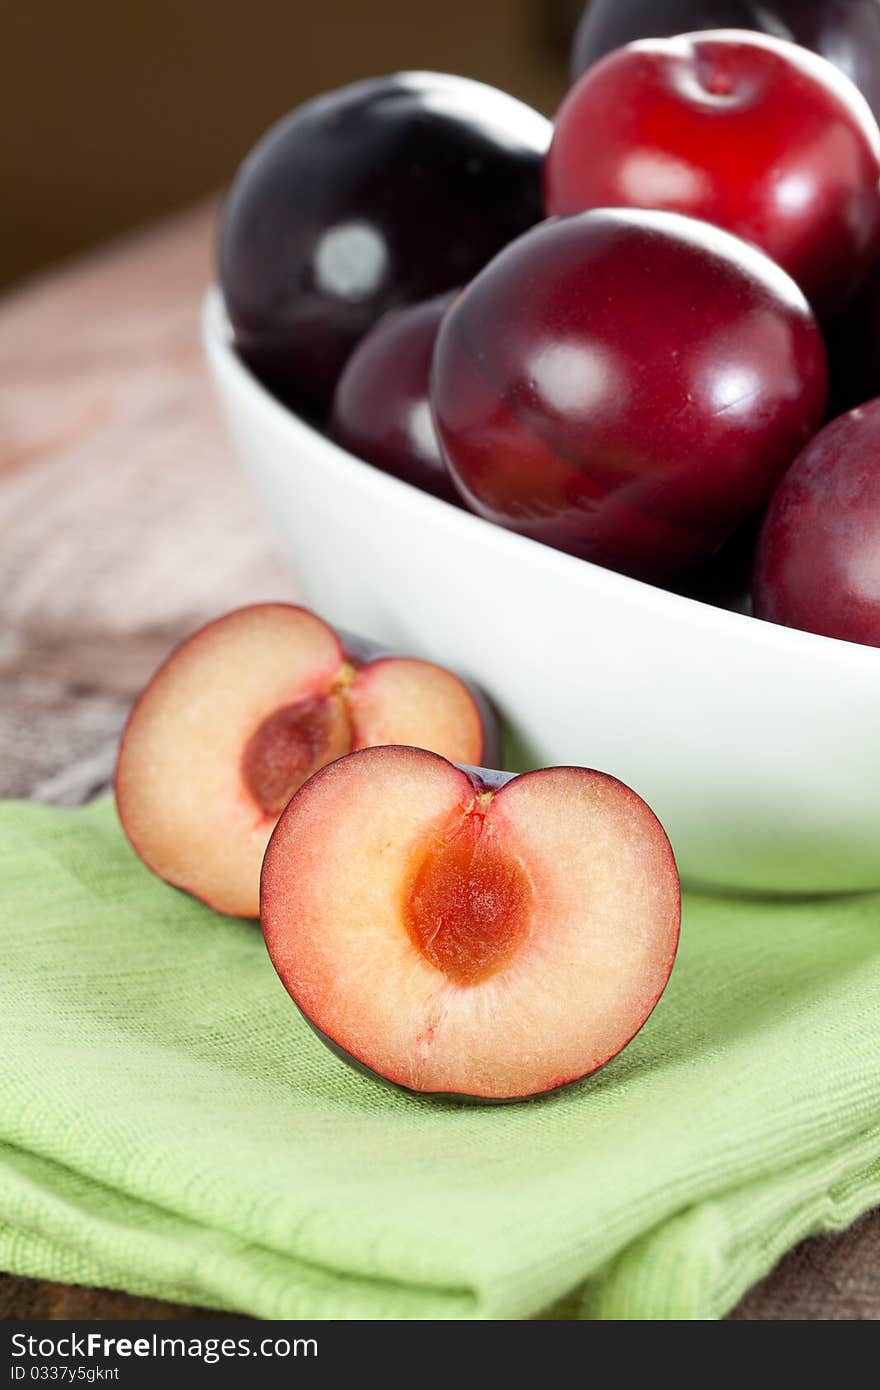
x=242, y=714
x=469, y=933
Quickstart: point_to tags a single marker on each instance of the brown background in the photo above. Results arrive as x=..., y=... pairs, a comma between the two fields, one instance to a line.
x=111, y=113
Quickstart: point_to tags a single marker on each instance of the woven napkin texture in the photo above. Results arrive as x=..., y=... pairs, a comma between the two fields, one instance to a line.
x=170, y=1126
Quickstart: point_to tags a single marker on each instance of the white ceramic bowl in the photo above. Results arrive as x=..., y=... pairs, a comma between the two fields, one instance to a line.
x=755, y=745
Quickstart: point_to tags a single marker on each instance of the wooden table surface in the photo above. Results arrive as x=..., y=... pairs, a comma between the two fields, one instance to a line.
x=124, y=523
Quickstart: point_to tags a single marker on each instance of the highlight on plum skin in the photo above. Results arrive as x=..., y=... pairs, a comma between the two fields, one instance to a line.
x=605, y=415
x=816, y=566
x=243, y=713
x=468, y=934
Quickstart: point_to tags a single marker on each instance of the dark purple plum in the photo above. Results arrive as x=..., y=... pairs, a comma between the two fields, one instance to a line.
x=378, y=195
x=639, y=400
x=382, y=408
x=846, y=32
x=817, y=562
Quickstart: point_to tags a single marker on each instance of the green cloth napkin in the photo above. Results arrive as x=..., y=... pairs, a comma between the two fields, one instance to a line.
x=171, y=1127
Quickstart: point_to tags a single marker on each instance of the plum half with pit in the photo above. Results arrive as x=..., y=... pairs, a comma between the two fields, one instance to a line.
x=750, y=133
x=846, y=32
x=382, y=407
x=243, y=713
x=380, y=194
x=818, y=560
x=465, y=933
x=627, y=386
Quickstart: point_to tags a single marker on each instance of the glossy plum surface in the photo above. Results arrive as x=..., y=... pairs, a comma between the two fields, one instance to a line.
x=818, y=560
x=752, y=134
x=846, y=32
x=381, y=409
x=377, y=195
x=640, y=400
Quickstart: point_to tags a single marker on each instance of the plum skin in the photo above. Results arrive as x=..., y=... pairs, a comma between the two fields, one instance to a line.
x=747, y=132
x=641, y=401
x=847, y=34
x=382, y=408
x=381, y=194
x=816, y=566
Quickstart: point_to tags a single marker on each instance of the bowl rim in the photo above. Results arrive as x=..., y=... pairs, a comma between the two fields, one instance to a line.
x=347, y=468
